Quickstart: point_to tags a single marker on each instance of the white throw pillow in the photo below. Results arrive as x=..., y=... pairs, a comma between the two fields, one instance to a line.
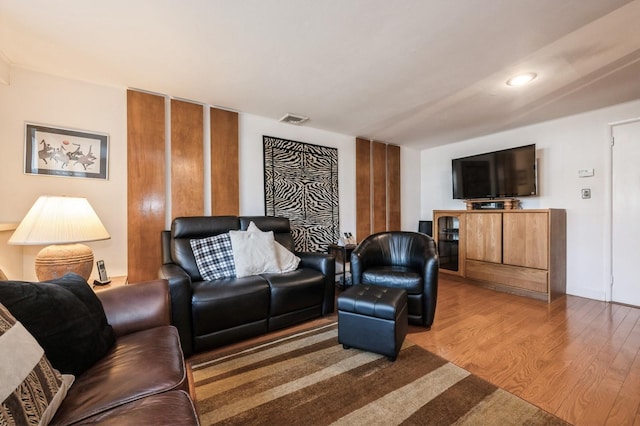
x=287, y=261
x=253, y=253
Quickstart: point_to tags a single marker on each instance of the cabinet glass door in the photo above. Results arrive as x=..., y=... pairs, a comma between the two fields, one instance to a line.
x=448, y=242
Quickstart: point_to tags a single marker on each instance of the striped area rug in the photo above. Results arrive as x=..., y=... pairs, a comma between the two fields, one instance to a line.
x=308, y=378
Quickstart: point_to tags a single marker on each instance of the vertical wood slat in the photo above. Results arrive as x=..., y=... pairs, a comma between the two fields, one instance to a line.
x=363, y=189
x=379, y=173
x=146, y=201
x=394, y=222
x=187, y=155
x=225, y=186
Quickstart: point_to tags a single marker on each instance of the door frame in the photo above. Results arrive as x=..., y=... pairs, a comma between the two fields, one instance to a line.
x=608, y=291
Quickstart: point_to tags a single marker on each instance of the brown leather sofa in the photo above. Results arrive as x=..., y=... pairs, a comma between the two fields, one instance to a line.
x=214, y=313
x=142, y=380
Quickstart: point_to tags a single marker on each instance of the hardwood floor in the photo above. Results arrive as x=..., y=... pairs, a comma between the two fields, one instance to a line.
x=576, y=358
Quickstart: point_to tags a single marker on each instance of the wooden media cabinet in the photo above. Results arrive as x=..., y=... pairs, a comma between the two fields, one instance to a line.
x=517, y=251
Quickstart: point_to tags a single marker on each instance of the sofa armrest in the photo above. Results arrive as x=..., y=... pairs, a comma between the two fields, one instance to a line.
x=137, y=306
x=325, y=264
x=322, y=262
x=180, y=291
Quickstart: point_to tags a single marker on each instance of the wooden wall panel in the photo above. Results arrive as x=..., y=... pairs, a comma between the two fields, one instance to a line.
x=363, y=189
x=394, y=222
x=187, y=155
x=378, y=201
x=146, y=201
x=379, y=173
x=225, y=186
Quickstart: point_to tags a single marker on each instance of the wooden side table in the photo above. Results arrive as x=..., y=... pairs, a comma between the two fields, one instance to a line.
x=115, y=282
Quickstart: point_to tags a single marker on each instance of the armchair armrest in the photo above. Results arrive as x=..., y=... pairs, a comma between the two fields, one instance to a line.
x=430, y=274
x=137, y=307
x=363, y=256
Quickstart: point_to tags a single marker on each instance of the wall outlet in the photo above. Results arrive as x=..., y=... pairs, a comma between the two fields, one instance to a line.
x=586, y=193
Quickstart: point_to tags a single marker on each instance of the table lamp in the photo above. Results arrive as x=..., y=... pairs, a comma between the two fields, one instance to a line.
x=63, y=222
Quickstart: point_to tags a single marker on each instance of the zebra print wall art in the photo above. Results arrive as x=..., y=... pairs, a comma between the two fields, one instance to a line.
x=301, y=183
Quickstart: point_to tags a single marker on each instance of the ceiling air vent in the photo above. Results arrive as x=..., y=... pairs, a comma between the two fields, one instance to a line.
x=293, y=119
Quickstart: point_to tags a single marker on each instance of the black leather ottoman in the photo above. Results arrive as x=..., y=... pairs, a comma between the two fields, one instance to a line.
x=373, y=318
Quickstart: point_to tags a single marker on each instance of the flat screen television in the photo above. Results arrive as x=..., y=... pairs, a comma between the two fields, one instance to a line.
x=499, y=174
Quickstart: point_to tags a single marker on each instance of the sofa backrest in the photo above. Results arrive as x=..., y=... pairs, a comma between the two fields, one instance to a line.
x=279, y=225
x=184, y=229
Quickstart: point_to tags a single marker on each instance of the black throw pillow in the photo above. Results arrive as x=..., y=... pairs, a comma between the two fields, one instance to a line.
x=66, y=318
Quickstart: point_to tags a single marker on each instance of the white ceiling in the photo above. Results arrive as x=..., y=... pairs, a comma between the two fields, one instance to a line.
x=417, y=73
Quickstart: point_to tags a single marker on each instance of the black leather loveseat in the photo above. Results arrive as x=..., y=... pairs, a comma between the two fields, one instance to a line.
x=213, y=313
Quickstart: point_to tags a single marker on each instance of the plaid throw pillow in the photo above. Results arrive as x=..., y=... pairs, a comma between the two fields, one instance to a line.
x=214, y=257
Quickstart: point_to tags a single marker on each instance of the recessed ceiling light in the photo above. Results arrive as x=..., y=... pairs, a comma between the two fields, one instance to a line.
x=521, y=79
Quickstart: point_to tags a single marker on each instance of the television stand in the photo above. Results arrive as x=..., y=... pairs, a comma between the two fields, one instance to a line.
x=493, y=204
x=519, y=251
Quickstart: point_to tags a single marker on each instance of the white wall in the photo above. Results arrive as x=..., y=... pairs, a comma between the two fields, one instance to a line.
x=563, y=147
x=10, y=256
x=410, y=184
x=44, y=99
x=252, y=128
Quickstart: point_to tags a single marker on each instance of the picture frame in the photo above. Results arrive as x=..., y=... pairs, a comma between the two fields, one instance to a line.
x=55, y=151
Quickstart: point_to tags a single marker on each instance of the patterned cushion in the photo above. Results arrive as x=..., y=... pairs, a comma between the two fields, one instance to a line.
x=31, y=390
x=214, y=257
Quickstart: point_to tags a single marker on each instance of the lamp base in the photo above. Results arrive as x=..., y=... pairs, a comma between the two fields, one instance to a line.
x=57, y=260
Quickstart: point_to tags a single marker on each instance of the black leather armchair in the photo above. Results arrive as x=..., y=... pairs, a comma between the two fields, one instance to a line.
x=407, y=260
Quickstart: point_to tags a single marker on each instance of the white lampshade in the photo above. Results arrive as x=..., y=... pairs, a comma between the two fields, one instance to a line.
x=59, y=220
x=63, y=221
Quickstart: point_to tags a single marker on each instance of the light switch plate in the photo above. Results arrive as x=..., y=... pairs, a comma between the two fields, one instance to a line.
x=586, y=172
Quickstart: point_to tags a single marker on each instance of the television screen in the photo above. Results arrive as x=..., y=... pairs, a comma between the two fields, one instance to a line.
x=498, y=174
